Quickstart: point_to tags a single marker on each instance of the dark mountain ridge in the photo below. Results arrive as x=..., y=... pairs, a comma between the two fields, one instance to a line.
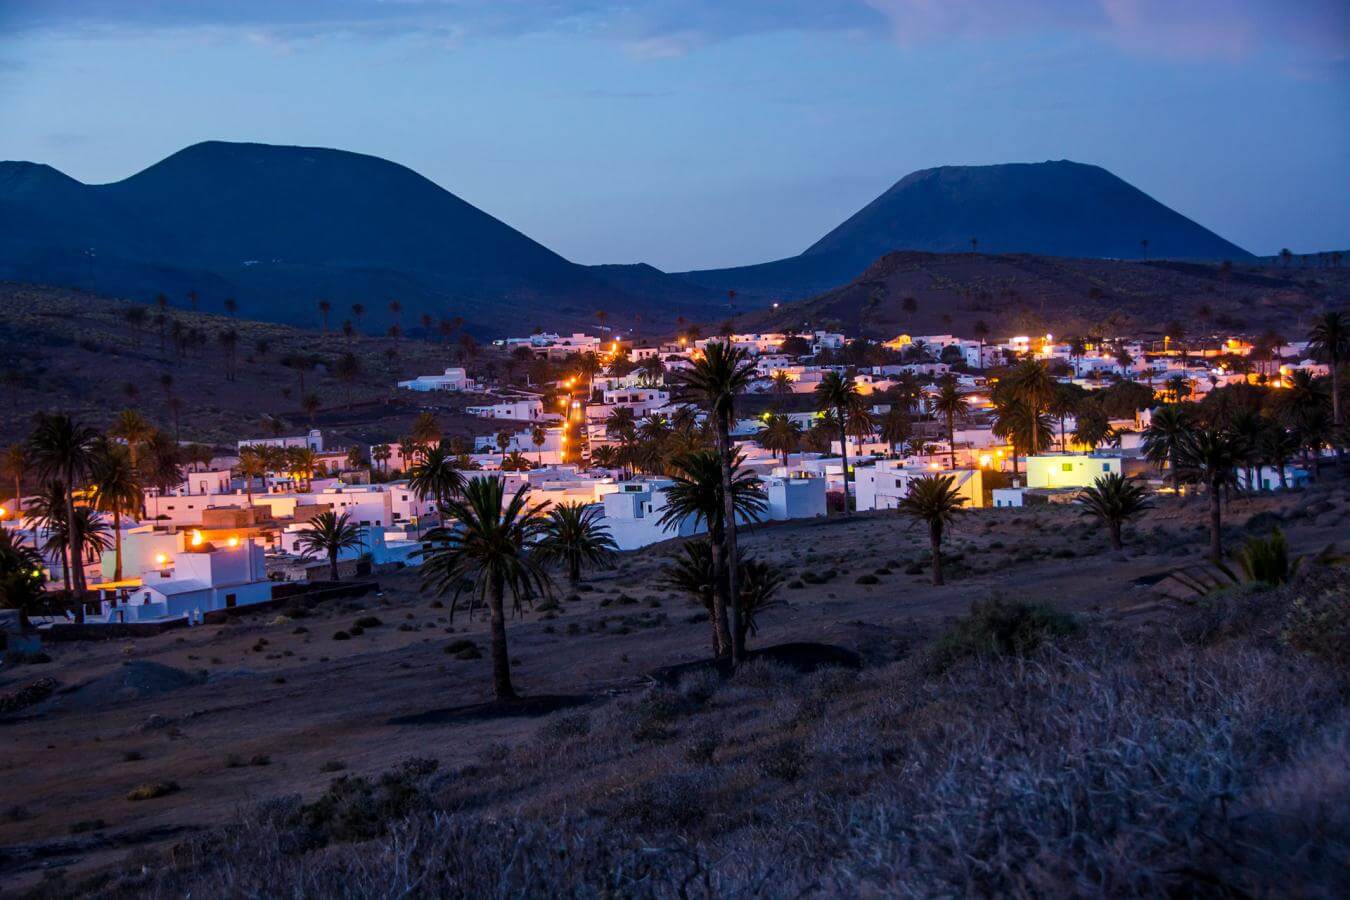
x=1058, y=208
x=279, y=227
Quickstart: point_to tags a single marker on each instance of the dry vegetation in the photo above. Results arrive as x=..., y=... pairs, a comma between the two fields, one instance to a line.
x=78, y=353
x=1107, y=763
x=1080, y=736
x=928, y=293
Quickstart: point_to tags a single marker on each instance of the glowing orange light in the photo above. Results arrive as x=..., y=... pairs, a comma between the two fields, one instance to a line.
x=233, y=542
x=160, y=559
x=196, y=538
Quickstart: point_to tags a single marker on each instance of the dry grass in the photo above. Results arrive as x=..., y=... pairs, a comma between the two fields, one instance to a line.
x=1195, y=758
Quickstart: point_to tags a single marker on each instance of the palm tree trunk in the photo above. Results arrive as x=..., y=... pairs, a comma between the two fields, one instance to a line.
x=332, y=564
x=1215, y=525
x=1114, y=528
x=501, y=661
x=935, y=541
x=75, y=550
x=721, y=635
x=574, y=572
x=729, y=538
x=117, y=545
x=951, y=442
x=843, y=453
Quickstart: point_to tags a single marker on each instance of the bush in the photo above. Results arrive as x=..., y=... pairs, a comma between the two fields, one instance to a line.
x=998, y=628
x=367, y=622
x=565, y=726
x=154, y=790
x=357, y=809
x=1318, y=622
x=867, y=579
x=341, y=636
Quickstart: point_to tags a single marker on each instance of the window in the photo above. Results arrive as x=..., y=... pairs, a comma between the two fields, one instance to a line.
x=1106, y=467
x=230, y=601
x=1067, y=467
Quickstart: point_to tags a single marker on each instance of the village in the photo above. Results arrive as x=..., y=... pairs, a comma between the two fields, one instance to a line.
x=825, y=425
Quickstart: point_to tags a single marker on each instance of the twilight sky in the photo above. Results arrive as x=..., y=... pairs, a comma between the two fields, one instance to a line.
x=700, y=133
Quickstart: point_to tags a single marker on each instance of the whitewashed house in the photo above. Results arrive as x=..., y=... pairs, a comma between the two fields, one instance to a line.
x=453, y=379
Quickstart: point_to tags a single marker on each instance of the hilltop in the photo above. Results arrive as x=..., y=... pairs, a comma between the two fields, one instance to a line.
x=276, y=228
x=1058, y=208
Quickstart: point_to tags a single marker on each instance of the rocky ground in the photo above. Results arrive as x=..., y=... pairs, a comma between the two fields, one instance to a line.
x=146, y=742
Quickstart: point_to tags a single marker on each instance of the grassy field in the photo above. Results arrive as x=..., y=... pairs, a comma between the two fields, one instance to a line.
x=79, y=353
x=1049, y=723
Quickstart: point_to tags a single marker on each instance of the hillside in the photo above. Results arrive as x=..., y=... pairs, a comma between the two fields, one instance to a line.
x=1142, y=748
x=77, y=352
x=277, y=228
x=1018, y=293
x=1061, y=208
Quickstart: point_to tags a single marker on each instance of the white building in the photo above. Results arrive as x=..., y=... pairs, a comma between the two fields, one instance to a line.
x=454, y=379
x=885, y=484
x=524, y=409
x=795, y=498
x=633, y=512
x=313, y=440
x=1068, y=470
x=193, y=582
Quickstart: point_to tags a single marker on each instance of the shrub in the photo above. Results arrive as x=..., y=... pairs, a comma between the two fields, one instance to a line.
x=357, y=809
x=998, y=628
x=333, y=765
x=367, y=622
x=867, y=579
x=565, y=726
x=341, y=636
x=1318, y=622
x=153, y=790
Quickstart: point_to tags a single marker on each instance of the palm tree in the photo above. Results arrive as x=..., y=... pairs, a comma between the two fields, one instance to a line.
x=698, y=494
x=1163, y=439
x=896, y=428
x=1092, y=428
x=161, y=465
x=574, y=535
x=538, y=437
x=780, y=434
x=949, y=403
x=435, y=475
x=838, y=394
x=1329, y=340
x=486, y=552
x=933, y=499
x=1211, y=457
x=324, y=309
x=515, y=461
x=329, y=534
x=63, y=451
x=1032, y=384
x=713, y=381
x=380, y=453
x=251, y=465
x=606, y=457
x=22, y=575
x=13, y=466
x=692, y=572
x=781, y=383
x=115, y=488
x=1275, y=446
x=426, y=430
x=1115, y=500
x=1015, y=423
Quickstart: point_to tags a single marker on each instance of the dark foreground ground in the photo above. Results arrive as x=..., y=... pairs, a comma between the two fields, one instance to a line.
x=1076, y=734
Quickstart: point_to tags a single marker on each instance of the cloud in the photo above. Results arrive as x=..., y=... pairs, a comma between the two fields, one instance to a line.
x=654, y=29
